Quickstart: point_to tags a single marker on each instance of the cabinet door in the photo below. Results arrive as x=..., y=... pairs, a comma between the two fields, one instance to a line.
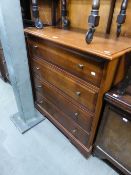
x=115, y=136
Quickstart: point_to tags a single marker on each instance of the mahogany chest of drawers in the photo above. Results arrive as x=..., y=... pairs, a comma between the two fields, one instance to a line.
x=114, y=137
x=70, y=77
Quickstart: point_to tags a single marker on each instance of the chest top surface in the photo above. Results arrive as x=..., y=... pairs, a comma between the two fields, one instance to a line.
x=107, y=48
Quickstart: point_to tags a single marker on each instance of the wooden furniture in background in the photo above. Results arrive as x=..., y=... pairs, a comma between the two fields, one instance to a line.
x=49, y=12
x=80, y=10
x=3, y=68
x=126, y=32
x=71, y=77
x=26, y=12
x=114, y=137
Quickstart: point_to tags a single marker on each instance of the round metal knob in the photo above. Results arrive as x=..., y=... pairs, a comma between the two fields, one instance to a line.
x=40, y=102
x=74, y=131
x=125, y=120
x=39, y=86
x=78, y=93
x=35, y=47
x=37, y=68
x=81, y=66
x=76, y=115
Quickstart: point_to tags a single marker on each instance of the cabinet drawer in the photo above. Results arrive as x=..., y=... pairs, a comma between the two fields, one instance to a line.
x=83, y=94
x=75, y=63
x=60, y=117
x=81, y=117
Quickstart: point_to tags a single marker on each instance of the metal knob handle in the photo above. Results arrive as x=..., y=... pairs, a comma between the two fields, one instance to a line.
x=74, y=131
x=39, y=86
x=81, y=66
x=37, y=68
x=40, y=102
x=35, y=47
x=78, y=93
x=125, y=120
x=76, y=115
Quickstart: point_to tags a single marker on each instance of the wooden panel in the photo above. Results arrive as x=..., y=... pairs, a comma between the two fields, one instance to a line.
x=121, y=101
x=68, y=124
x=100, y=47
x=126, y=28
x=79, y=10
x=81, y=117
x=79, y=65
x=45, y=11
x=115, y=140
x=72, y=87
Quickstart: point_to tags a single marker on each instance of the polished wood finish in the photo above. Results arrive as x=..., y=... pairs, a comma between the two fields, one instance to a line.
x=111, y=13
x=72, y=87
x=126, y=32
x=50, y=92
x=123, y=101
x=78, y=65
x=66, y=122
x=68, y=89
x=65, y=125
x=114, y=137
x=80, y=10
x=49, y=11
x=76, y=41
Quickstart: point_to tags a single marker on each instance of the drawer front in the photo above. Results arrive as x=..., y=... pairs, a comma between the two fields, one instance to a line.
x=70, y=86
x=81, y=117
x=60, y=117
x=79, y=65
x=115, y=136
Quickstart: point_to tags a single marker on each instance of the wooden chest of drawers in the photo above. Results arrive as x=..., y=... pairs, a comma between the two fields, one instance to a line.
x=70, y=77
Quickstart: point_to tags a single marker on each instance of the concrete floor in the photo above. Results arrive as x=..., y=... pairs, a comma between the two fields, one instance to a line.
x=41, y=151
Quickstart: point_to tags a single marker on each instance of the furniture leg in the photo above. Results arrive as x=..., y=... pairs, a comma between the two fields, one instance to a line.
x=121, y=17
x=93, y=21
x=65, y=20
x=35, y=11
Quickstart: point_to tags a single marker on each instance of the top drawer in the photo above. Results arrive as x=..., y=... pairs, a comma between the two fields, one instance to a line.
x=78, y=64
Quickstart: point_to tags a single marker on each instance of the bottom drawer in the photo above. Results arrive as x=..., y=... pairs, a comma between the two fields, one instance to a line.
x=60, y=117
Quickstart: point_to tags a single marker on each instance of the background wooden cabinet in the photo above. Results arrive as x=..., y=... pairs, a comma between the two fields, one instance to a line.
x=114, y=137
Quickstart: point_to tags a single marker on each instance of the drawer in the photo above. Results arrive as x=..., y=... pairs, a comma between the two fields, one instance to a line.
x=81, y=117
x=77, y=64
x=61, y=118
x=83, y=94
